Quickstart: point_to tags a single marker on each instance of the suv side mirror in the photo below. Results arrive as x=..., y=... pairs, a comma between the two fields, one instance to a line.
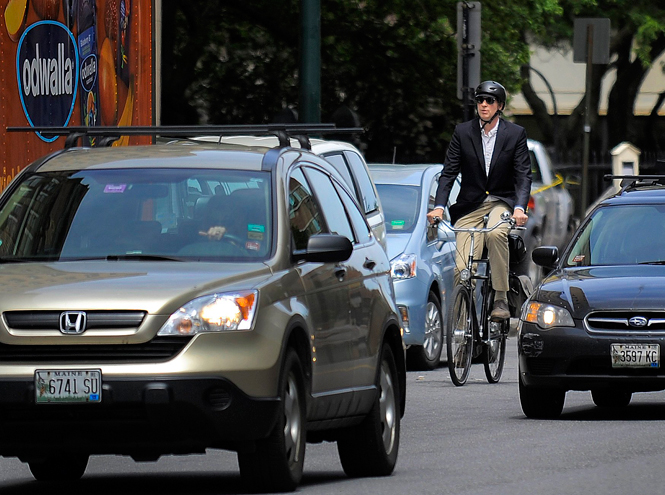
x=328, y=248
x=545, y=256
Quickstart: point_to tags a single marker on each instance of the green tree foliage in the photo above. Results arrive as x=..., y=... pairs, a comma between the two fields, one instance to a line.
x=393, y=63
x=637, y=40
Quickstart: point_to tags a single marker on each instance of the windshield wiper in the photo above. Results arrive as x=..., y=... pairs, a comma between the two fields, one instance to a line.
x=659, y=262
x=140, y=257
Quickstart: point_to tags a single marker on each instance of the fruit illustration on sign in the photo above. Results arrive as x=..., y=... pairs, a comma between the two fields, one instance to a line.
x=108, y=86
x=15, y=14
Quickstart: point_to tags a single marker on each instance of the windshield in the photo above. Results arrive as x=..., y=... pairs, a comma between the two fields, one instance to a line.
x=137, y=214
x=401, y=205
x=619, y=235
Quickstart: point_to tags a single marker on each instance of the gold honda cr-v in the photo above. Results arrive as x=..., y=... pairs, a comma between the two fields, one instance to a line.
x=171, y=298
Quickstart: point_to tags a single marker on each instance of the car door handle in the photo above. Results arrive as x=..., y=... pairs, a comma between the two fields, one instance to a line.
x=369, y=264
x=340, y=272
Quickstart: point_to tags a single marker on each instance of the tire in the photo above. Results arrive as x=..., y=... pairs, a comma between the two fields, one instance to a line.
x=277, y=463
x=541, y=403
x=370, y=449
x=494, y=356
x=611, y=398
x=60, y=468
x=459, y=336
x=428, y=355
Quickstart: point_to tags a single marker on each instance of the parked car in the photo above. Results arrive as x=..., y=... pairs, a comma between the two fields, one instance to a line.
x=421, y=266
x=551, y=210
x=597, y=322
x=348, y=161
x=172, y=298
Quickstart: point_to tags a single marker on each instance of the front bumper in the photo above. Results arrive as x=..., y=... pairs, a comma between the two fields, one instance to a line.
x=571, y=358
x=142, y=417
x=412, y=294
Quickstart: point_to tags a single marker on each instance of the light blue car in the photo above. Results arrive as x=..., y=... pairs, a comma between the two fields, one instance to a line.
x=421, y=265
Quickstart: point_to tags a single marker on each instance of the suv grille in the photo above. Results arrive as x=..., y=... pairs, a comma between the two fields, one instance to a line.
x=629, y=322
x=50, y=320
x=158, y=349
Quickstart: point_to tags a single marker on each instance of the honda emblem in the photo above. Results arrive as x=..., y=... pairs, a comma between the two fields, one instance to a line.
x=73, y=322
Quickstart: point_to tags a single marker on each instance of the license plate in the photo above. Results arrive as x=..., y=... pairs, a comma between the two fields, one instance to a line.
x=635, y=355
x=68, y=386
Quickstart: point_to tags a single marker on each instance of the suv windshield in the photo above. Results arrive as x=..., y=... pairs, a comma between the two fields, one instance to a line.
x=137, y=214
x=620, y=235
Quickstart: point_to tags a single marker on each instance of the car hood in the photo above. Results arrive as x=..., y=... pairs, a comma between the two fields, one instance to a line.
x=397, y=244
x=155, y=287
x=583, y=289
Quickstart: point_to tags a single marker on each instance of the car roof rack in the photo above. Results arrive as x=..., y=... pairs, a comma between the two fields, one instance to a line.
x=108, y=134
x=631, y=181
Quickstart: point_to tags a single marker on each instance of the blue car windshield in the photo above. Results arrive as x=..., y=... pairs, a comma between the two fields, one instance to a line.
x=401, y=206
x=142, y=214
x=620, y=235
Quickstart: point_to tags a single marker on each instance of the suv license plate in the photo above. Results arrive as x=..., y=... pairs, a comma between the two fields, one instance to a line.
x=635, y=355
x=68, y=386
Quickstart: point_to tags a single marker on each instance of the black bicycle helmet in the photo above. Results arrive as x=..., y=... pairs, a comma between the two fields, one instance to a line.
x=492, y=88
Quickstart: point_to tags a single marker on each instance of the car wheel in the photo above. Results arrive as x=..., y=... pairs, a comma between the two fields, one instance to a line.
x=541, y=403
x=277, y=463
x=61, y=468
x=611, y=398
x=428, y=355
x=370, y=449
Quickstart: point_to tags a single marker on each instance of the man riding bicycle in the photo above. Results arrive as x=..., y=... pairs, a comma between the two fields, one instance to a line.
x=492, y=157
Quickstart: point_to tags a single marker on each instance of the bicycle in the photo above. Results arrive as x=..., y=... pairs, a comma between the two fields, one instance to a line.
x=471, y=334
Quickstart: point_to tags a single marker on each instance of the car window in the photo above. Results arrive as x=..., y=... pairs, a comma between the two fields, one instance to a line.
x=331, y=204
x=401, y=206
x=360, y=226
x=102, y=213
x=369, y=200
x=342, y=166
x=617, y=235
x=304, y=215
x=535, y=169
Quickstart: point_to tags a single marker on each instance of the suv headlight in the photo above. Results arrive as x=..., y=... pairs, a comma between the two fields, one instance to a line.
x=547, y=316
x=404, y=266
x=229, y=311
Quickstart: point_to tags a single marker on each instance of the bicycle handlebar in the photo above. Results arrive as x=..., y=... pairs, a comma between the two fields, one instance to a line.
x=475, y=230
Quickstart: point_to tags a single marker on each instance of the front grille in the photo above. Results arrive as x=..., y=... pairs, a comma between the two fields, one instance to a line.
x=619, y=322
x=158, y=349
x=50, y=320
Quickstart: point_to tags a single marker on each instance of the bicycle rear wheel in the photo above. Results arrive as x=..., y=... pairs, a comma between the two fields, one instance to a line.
x=494, y=354
x=459, y=336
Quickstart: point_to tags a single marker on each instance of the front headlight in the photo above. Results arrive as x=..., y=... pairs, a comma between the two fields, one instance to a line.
x=229, y=311
x=547, y=316
x=402, y=267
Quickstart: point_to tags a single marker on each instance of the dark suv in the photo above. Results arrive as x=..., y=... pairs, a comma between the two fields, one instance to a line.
x=597, y=321
x=171, y=298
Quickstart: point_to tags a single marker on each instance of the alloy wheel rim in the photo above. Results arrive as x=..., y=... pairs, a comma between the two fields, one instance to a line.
x=387, y=406
x=433, y=331
x=292, y=421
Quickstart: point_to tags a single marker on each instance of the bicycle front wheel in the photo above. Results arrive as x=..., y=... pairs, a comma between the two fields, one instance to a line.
x=459, y=336
x=494, y=353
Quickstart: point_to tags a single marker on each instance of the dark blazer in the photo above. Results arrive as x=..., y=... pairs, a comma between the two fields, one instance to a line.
x=509, y=176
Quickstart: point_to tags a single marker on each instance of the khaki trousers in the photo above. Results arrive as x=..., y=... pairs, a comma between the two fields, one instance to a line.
x=497, y=242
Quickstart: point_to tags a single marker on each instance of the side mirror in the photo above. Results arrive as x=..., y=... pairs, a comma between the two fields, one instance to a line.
x=328, y=248
x=545, y=256
x=444, y=233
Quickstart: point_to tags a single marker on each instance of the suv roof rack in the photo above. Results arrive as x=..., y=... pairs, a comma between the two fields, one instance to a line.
x=109, y=134
x=630, y=181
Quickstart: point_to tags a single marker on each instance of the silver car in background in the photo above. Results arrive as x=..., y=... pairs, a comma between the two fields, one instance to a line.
x=421, y=265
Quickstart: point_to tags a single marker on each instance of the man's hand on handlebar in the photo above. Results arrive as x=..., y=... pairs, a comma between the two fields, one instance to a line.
x=520, y=217
x=435, y=215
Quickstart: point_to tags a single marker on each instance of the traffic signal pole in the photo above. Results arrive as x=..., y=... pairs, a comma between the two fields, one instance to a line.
x=310, y=62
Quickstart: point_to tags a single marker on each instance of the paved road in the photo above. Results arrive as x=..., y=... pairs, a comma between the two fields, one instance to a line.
x=472, y=440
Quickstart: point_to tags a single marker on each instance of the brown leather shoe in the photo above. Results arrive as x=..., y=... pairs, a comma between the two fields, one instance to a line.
x=500, y=311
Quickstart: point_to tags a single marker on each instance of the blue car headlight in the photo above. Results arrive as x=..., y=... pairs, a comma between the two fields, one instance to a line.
x=403, y=267
x=547, y=316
